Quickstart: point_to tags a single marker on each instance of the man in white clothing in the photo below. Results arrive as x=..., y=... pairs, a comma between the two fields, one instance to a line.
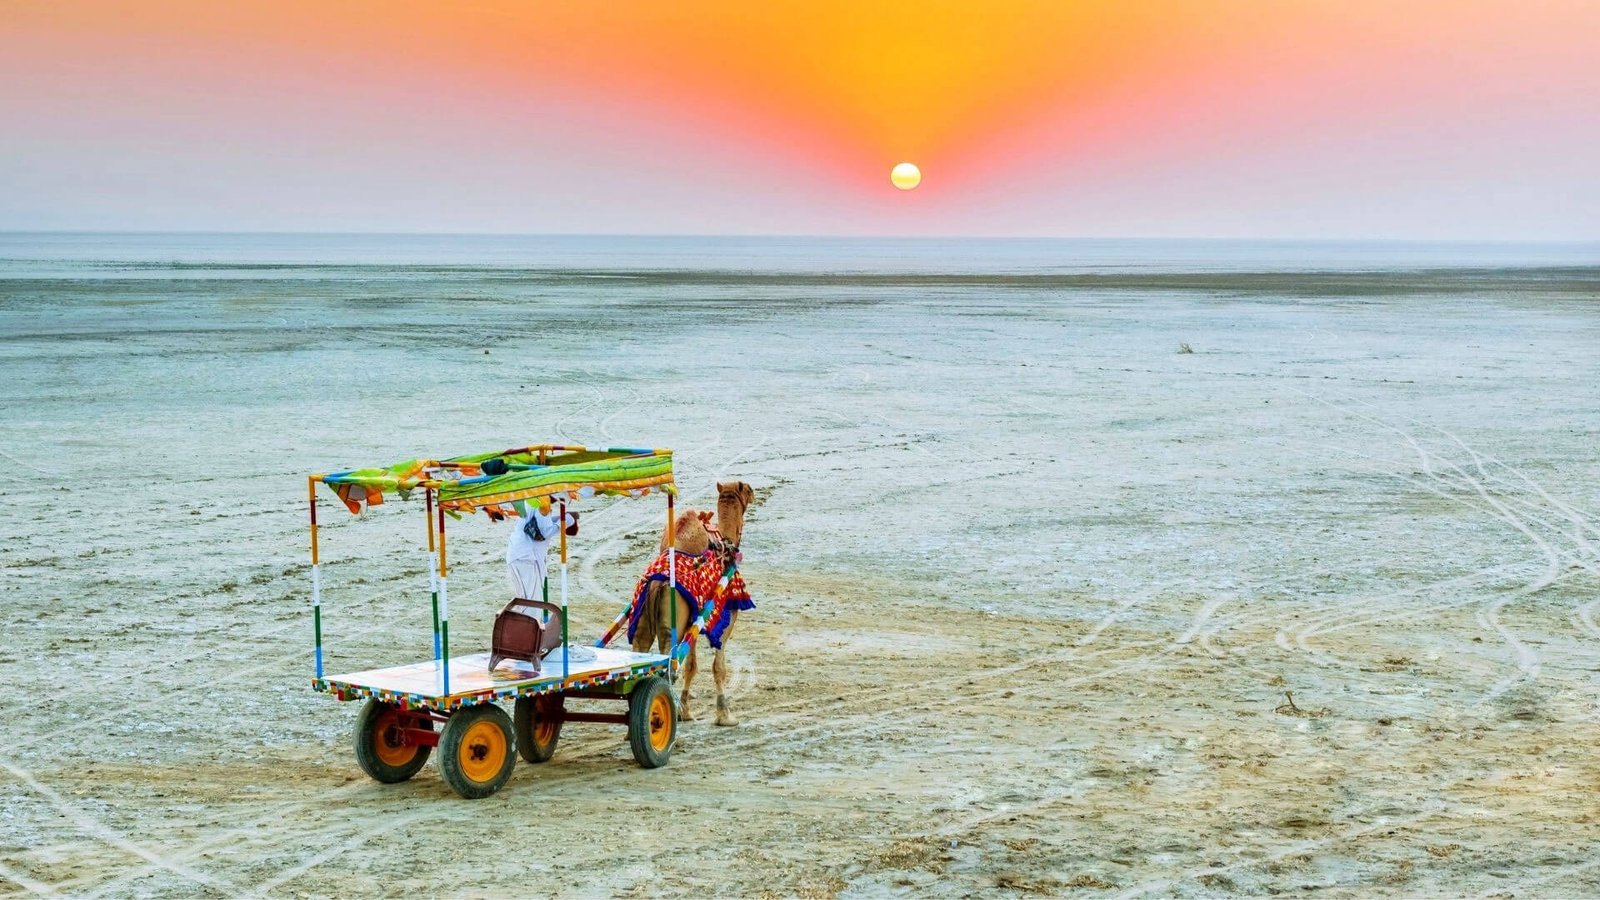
x=529, y=547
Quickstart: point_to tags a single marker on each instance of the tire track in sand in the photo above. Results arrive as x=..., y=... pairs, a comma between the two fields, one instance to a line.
x=1525, y=658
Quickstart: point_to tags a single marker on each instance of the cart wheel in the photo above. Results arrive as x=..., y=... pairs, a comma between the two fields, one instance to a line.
x=652, y=722
x=475, y=750
x=381, y=748
x=539, y=726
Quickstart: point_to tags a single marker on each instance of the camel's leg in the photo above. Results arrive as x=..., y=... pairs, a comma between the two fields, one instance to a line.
x=662, y=612
x=664, y=621
x=719, y=671
x=690, y=667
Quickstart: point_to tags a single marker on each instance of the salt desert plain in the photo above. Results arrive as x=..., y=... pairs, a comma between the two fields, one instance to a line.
x=1033, y=585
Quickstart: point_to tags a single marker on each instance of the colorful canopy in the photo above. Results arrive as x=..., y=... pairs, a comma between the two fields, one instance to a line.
x=487, y=480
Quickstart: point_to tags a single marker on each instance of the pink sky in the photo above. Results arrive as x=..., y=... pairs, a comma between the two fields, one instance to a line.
x=1421, y=119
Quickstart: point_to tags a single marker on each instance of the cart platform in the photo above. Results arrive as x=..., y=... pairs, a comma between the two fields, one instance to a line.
x=417, y=686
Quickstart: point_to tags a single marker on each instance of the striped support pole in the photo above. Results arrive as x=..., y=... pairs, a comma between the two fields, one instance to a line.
x=316, y=577
x=561, y=524
x=672, y=584
x=444, y=610
x=544, y=576
x=433, y=574
x=316, y=613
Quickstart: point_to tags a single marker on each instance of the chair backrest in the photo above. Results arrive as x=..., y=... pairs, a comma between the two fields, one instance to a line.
x=518, y=633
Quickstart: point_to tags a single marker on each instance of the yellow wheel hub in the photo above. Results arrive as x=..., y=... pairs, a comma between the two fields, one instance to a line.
x=661, y=721
x=483, y=751
x=544, y=731
x=390, y=747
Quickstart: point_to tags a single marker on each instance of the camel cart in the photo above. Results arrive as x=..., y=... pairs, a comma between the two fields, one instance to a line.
x=452, y=703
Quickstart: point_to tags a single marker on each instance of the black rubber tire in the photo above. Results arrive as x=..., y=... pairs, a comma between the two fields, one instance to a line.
x=469, y=738
x=650, y=709
x=374, y=726
x=533, y=712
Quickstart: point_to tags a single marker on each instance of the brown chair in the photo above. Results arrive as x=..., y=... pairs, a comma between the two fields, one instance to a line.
x=518, y=633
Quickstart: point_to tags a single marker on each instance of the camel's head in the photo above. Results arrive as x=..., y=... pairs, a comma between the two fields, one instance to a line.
x=733, y=498
x=689, y=534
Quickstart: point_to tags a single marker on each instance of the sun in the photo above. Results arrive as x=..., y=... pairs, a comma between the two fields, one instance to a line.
x=906, y=176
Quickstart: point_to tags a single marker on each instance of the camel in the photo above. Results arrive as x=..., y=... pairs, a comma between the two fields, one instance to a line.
x=704, y=553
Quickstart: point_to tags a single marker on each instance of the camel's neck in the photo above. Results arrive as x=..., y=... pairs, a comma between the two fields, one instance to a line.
x=730, y=522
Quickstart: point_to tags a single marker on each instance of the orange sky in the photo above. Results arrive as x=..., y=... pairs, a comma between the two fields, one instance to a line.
x=1175, y=117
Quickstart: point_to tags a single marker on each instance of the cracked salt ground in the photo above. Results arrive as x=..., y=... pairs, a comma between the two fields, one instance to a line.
x=1031, y=590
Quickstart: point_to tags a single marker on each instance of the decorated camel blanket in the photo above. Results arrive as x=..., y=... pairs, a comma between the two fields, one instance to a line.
x=699, y=579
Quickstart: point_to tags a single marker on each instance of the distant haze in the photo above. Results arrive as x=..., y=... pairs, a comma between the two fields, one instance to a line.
x=1428, y=119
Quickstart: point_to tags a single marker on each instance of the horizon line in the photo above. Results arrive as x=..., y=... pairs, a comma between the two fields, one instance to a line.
x=782, y=236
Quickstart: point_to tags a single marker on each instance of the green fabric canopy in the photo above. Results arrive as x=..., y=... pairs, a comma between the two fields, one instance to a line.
x=533, y=473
